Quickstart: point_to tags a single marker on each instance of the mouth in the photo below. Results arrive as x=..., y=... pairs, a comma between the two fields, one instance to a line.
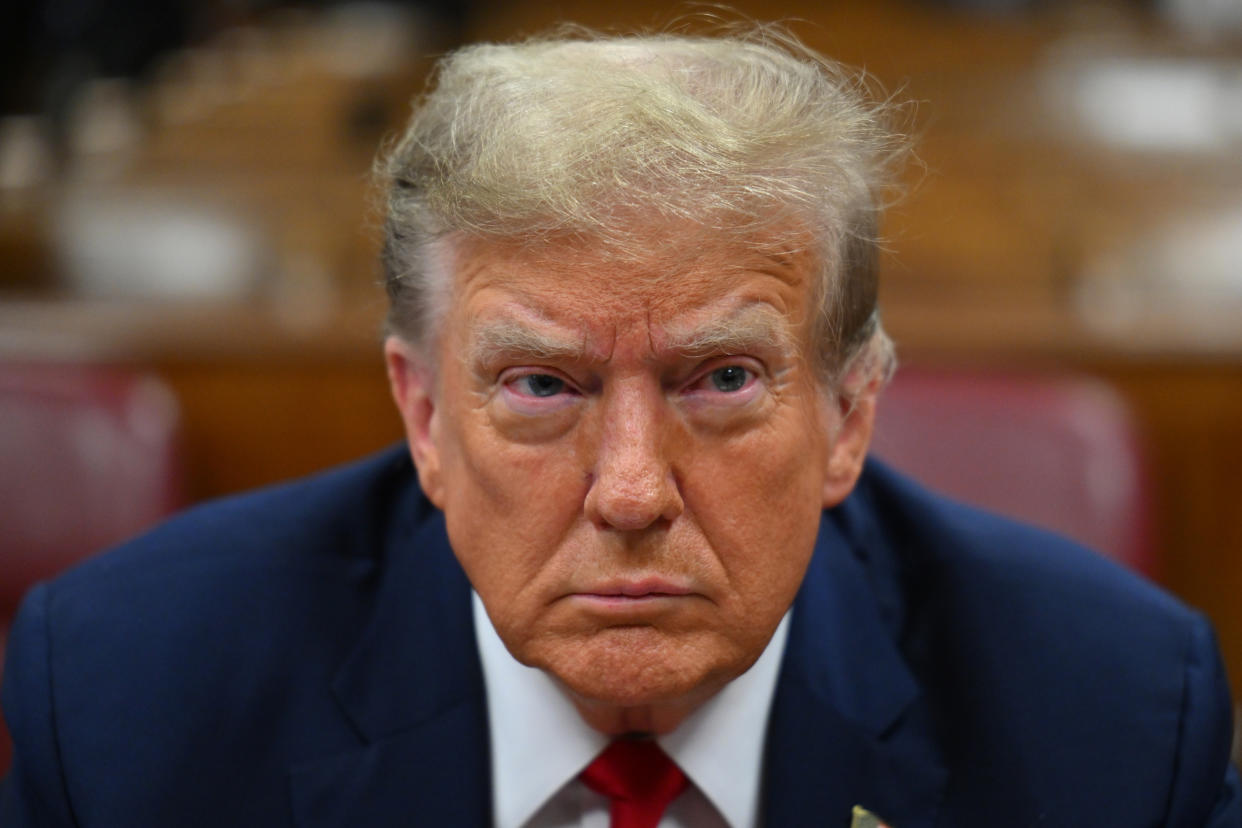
x=637, y=590
x=633, y=600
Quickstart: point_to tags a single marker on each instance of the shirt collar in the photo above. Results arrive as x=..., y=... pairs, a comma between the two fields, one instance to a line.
x=720, y=746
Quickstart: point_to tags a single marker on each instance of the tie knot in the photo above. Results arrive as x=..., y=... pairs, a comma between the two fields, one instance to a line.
x=640, y=780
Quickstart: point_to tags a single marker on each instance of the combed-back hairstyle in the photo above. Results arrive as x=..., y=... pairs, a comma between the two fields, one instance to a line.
x=589, y=139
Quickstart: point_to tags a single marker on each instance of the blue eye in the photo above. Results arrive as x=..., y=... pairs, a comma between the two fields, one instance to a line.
x=730, y=378
x=541, y=385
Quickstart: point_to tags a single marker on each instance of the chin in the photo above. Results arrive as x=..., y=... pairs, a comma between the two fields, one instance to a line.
x=630, y=667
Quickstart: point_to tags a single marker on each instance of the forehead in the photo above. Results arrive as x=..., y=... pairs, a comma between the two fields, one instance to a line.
x=669, y=289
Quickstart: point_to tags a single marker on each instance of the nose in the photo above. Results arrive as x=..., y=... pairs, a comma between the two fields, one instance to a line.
x=632, y=483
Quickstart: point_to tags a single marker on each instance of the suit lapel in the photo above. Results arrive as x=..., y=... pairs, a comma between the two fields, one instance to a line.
x=848, y=724
x=413, y=690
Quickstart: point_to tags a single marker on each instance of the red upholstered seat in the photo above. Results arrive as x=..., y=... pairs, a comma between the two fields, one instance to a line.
x=1059, y=451
x=88, y=456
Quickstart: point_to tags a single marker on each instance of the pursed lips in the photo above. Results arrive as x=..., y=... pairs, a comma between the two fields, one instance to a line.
x=630, y=591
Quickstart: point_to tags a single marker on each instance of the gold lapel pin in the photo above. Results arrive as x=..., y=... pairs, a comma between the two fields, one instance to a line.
x=865, y=819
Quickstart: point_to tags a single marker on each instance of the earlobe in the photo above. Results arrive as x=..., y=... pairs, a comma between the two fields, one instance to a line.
x=849, y=450
x=412, y=383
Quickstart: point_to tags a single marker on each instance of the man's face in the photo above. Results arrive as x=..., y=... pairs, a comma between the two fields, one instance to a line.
x=632, y=460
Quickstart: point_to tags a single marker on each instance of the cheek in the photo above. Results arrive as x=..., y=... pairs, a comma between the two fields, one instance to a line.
x=758, y=500
x=779, y=461
x=507, y=504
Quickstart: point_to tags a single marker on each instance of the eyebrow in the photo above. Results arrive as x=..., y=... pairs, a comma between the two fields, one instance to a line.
x=754, y=326
x=508, y=337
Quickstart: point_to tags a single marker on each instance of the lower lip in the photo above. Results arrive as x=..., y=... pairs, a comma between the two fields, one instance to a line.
x=649, y=601
x=623, y=600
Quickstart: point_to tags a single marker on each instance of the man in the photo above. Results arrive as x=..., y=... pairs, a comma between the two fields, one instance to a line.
x=635, y=348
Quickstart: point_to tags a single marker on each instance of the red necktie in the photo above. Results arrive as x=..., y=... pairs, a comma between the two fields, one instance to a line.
x=639, y=778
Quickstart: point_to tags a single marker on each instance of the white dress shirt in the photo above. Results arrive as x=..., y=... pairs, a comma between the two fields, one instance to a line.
x=540, y=744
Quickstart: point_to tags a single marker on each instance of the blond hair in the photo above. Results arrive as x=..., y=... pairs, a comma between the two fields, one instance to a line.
x=577, y=136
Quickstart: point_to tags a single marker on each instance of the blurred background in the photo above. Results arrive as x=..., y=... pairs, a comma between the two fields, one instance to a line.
x=190, y=301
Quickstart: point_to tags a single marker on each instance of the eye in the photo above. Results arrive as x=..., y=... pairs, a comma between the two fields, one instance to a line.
x=726, y=392
x=539, y=385
x=729, y=378
x=527, y=396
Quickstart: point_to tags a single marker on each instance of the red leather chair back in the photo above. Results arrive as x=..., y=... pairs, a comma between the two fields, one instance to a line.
x=1058, y=451
x=88, y=457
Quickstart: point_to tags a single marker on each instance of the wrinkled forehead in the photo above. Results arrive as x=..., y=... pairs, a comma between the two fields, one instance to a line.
x=576, y=301
x=669, y=253
x=672, y=271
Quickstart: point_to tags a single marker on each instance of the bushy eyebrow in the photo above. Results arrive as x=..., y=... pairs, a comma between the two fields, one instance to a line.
x=750, y=328
x=510, y=338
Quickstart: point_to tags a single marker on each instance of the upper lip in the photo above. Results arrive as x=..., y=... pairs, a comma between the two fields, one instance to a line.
x=638, y=587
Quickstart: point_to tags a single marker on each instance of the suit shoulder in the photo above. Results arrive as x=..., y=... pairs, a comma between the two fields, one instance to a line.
x=296, y=562
x=333, y=518
x=1009, y=615
x=221, y=627
x=984, y=559
x=1036, y=656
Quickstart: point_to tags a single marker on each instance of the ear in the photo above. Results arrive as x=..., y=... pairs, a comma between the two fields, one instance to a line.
x=855, y=420
x=413, y=389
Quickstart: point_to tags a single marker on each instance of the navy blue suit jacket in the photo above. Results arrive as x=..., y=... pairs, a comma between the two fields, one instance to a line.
x=305, y=656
